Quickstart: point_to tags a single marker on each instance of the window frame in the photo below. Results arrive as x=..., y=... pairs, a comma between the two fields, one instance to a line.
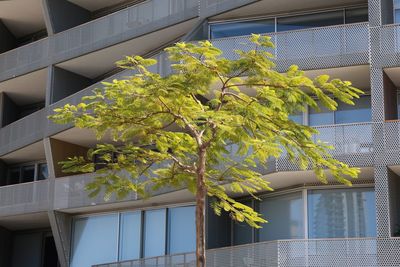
x=20, y=167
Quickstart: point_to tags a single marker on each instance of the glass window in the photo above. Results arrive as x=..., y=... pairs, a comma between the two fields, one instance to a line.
x=310, y=21
x=154, y=232
x=13, y=175
x=241, y=28
x=341, y=213
x=95, y=240
x=130, y=237
x=242, y=232
x=285, y=217
x=322, y=117
x=182, y=230
x=43, y=172
x=28, y=174
x=27, y=250
x=355, y=15
x=360, y=112
x=297, y=118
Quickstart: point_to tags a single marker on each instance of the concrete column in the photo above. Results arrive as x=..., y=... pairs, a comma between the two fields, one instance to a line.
x=64, y=83
x=61, y=15
x=61, y=227
x=8, y=41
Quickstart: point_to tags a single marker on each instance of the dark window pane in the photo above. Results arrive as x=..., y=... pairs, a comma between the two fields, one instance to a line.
x=341, y=213
x=242, y=232
x=28, y=174
x=50, y=257
x=397, y=16
x=355, y=15
x=241, y=28
x=310, y=21
x=43, y=173
x=360, y=112
x=13, y=176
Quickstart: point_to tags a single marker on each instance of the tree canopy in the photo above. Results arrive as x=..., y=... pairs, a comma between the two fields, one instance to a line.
x=212, y=119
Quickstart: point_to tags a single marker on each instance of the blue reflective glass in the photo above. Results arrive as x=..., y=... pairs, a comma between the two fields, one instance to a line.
x=154, y=232
x=181, y=230
x=322, y=117
x=397, y=16
x=310, y=21
x=130, y=237
x=341, y=213
x=95, y=240
x=241, y=28
x=297, y=118
x=360, y=112
x=285, y=216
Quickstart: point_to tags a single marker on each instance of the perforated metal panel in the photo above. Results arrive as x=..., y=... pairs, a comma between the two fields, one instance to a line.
x=326, y=47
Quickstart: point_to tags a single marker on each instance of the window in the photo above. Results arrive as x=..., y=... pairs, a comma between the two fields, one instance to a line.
x=95, y=240
x=285, y=217
x=27, y=173
x=356, y=15
x=241, y=28
x=242, y=232
x=341, y=213
x=310, y=21
x=397, y=11
x=154, y=233
x=181, y=230
x=360, y=112
x=132, y=235
x=289, y=23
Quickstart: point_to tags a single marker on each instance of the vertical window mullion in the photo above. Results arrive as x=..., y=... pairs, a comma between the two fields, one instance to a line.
x=305, y=211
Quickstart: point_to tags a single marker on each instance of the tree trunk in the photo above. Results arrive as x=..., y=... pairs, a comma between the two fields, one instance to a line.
x=200, y=211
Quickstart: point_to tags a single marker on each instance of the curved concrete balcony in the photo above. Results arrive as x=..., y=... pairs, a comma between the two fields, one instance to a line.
x=115, y=28
x=309, y=252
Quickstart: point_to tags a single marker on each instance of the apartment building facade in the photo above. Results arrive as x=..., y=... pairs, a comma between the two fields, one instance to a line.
x=53, y=52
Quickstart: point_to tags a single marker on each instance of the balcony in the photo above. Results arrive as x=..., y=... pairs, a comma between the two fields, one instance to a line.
x=389, y=142
x=317, y=48
x=352, y=142
x=24, y=198
x=311, y=252
x=389, y=45
x=106, y=31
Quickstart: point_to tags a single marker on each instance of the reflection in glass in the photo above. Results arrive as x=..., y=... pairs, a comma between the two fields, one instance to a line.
x=181, y=230
x=285, y=216
x=341, y=213
x=242, y=232
x=95, y=240
x=28, y=174
x=360, y=112
x=241, y=28
x=43, y=172
x=356, y=15
x=297, y=118
x=323, y=116
x=154, y=232
x=130, y=235
x=310, y=21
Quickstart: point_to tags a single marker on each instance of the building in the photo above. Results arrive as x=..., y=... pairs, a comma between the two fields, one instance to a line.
x=53, y=52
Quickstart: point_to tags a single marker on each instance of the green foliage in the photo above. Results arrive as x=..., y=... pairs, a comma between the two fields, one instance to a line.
x=235, y=110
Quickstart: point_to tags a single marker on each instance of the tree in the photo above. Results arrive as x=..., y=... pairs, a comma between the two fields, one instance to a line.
x=208, y=127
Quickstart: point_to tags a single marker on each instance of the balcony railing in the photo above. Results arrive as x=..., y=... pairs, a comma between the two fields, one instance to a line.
x=333, y=46
x=353, y=144
x=350, y=252
x=112, y=29
x=24, y=198
x=389, y=45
